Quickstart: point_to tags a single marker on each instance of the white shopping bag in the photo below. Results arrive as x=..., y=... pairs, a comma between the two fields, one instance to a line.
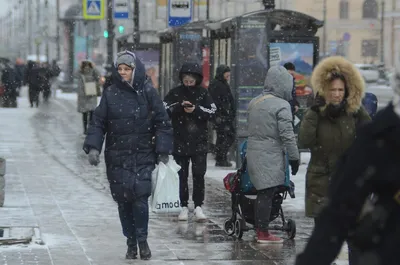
x=165, y=196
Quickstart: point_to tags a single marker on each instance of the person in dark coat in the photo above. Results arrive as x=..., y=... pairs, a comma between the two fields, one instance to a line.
x=293, y=102
x=9, y=80
x=371, y=224
x=138, y=133
x=44, y=79
x=32, y=80
x=225, y=116
x=19, y=70
x=190, y=107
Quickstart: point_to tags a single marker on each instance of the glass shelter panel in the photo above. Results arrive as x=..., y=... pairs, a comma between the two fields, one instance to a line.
x=216, y=56
x=228, y=52
x=252, y=67
x=168, y=67
x=189, y=47
x=222, y=52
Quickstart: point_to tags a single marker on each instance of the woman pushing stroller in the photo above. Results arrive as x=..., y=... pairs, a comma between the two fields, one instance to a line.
x=271, y=138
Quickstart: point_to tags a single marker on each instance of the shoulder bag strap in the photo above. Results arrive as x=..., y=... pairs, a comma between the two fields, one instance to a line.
x=260, y=99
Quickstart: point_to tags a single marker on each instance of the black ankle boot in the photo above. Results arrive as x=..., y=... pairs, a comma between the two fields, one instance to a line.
x=132, y=249
x=132, y=252
x=145, y=252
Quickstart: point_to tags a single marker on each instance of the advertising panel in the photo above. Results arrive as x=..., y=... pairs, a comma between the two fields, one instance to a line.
x=252, y=68
x=151, y=61
x=302, y=56
x=189, y=48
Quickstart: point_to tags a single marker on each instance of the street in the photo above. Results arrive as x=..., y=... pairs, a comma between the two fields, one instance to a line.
x=52, y=189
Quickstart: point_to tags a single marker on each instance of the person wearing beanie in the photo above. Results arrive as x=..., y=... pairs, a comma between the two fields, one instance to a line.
x=224, y=121
x=270, y=139
x=364, y=196
x=191, y=107
x=132, y=119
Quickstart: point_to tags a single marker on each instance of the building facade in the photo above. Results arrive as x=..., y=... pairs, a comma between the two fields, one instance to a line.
x=353, y=28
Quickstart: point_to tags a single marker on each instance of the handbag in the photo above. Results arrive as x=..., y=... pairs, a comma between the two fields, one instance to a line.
x=90, y=88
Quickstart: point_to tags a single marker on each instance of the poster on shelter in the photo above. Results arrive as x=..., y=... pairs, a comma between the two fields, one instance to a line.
x=151, y=61
x=302, y=56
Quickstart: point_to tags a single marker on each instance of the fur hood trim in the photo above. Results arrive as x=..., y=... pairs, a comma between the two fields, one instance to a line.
x=355, y=84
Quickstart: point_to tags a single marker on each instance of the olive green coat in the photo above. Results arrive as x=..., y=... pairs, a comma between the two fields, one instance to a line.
x=329, y=138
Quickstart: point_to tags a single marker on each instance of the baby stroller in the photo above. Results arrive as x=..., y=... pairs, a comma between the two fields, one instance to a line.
x=238, y=183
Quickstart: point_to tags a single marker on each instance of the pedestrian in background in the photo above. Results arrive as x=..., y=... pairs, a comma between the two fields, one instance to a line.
x=132, y=118
x=87, y=100
x=224, y=120
x=191, y=107
x=293, y=102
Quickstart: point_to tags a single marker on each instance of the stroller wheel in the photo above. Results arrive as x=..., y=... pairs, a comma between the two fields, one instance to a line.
x=291, y=228
x=238, y=229
x=229, y=227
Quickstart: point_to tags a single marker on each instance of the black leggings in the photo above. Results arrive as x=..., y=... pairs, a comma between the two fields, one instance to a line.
x=263, y=207
x=87, y=118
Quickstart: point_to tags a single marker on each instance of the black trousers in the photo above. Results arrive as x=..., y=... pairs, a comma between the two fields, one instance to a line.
x=263, y=207
x=87, y=118
x=225, y=139
x=199, y=168
x=34, y=95
x=134, y=217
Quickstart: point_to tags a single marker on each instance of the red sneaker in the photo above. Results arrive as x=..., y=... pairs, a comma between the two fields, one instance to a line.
x=267, y=238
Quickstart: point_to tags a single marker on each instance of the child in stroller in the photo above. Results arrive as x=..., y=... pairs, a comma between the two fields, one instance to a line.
x=238, y=183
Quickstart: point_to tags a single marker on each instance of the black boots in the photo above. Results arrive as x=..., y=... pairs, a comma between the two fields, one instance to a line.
x=132, y=252
x=145, y=252
x=132, y=249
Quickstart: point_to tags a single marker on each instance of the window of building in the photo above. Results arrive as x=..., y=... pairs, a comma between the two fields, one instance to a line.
x=370, y=9
x=369, y=48
x=344, y=9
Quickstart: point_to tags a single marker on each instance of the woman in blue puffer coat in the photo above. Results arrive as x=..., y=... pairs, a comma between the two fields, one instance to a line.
x=138, y=131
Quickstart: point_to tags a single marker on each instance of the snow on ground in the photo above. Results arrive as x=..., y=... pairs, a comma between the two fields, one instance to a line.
x=67, y=96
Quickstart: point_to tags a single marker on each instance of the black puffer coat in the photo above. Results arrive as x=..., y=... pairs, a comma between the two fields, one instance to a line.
x=222, y=96
x=129, y=118
x=190, y=129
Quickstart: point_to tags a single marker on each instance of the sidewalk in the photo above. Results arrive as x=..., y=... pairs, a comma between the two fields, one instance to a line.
x=51, y=187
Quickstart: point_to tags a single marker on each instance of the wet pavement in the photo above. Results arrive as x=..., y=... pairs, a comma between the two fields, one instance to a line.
x=51, y=186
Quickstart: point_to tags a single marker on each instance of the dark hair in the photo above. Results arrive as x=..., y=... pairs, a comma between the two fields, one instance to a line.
x=340, y=76
x=289, y=66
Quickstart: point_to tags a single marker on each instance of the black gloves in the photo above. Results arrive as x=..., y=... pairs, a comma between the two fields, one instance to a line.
x=94, y=158
x=164, y=158
x=318, y=102
x=294, y=165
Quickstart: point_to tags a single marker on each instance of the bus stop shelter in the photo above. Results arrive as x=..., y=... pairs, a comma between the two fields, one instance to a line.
x=253, y=42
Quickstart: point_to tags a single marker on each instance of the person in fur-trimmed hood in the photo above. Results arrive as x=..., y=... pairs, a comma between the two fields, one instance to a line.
x=328, y=128
x=369, y=166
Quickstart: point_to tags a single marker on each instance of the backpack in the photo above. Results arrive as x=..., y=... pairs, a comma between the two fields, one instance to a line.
x=370, y=103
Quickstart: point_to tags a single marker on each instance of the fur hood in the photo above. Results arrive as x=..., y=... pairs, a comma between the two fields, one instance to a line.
x=355, y=84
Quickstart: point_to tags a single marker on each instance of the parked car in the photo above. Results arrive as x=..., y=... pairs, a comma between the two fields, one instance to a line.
x=369, y=72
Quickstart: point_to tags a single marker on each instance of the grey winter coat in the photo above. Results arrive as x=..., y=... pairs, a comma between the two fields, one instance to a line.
x=86, y=103
x=270, y=131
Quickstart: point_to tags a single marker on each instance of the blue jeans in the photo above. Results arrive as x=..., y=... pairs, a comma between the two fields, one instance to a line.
x=134, y=218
